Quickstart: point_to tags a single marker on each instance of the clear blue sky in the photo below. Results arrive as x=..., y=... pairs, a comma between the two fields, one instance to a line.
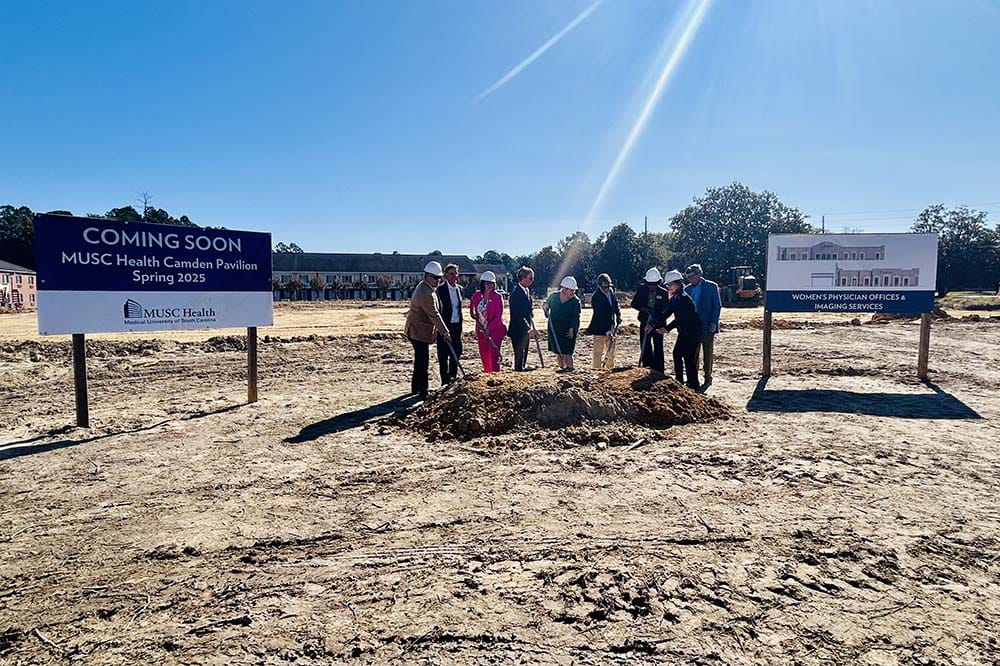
x=352, y=126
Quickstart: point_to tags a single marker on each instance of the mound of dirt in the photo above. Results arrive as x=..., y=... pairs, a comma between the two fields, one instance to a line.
x=495, y=404
x=781, y=324
x=885, y=317
x=59, y=352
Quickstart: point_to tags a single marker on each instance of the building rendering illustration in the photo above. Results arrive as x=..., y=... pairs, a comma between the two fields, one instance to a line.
x=852, y=274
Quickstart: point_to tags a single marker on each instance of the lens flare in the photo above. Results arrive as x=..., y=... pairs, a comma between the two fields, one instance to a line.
x=694, y=14
x=680, y=38
x=538, y=52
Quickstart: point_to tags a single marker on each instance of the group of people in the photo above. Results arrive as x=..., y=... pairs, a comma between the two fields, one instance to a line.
x=437, y=314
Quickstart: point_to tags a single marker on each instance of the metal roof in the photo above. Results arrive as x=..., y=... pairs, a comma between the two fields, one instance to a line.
x=7, y=267
x=498, y=269
x=340, y=262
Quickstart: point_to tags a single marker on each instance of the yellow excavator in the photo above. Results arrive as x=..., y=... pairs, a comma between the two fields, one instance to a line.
x=741, y=287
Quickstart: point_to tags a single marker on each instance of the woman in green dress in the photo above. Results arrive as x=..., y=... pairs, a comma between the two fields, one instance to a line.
x=563, y=310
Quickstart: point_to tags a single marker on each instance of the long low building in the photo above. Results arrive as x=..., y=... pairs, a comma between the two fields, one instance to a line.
x=317, y=276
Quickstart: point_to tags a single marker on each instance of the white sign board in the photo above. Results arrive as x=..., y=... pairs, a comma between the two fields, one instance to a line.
x=851, y=272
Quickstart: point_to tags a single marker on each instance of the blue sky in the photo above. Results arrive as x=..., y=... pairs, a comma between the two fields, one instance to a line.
x=353, y=126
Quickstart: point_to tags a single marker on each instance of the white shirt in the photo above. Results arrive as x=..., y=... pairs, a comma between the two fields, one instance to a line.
x=456, y=303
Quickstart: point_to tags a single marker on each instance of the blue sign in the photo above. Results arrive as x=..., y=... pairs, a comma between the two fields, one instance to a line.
x=850, y=301
x=83, y=254
x=106, y=275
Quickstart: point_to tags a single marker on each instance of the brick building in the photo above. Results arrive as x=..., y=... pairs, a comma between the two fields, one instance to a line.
x=828, y=250
x=850, y=275
x=18, y=290
x=321, y=276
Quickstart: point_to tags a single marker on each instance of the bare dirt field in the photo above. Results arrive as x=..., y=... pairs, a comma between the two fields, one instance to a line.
x=842, y=513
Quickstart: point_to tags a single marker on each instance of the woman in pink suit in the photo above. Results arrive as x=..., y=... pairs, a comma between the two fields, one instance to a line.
x=487, y=311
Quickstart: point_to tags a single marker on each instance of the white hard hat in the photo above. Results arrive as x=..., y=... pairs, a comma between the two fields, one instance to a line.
x=488, y=276
x=673, y=276
x=568, y=282
x=653, y=275
x=434, y=268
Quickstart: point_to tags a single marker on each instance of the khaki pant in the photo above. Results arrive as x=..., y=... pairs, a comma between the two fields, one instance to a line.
x=600, y=342
x=706, y=348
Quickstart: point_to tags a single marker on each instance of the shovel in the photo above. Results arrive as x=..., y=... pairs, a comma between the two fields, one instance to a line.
x=611, y=347
x=642, y=349
x=455, y=356
x=538, y=345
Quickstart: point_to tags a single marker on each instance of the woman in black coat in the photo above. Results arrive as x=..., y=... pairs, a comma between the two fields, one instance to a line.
x=604, y=322
x=688, y=325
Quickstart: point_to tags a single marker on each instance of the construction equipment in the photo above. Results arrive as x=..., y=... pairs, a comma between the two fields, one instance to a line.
x=741, y=287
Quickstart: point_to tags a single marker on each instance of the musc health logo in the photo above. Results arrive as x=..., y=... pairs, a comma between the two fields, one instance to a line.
x=133, y=310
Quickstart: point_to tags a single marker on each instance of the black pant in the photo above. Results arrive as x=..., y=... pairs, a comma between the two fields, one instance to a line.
x=421, y=365
x=652, y=353
x=521, y=344
x=446, y=362
x=686, y=358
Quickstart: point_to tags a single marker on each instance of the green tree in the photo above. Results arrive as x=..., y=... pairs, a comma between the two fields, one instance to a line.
x=657, y=250
x=728, y=226
x=577, y=258
x=620, y=256
x=968, y=250
x=493, y=257
x=546, y=265
x=289, y=248
x=124, y=214
x=17, y=230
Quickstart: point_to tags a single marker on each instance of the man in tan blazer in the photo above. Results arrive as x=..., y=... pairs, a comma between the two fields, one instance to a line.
x=424, y=324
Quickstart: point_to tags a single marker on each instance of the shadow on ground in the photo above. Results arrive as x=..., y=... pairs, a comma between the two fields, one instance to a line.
x=349, y=420
x=935, y=405
x=27, y=447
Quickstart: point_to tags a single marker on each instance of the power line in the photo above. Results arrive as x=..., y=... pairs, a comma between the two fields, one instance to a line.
x=908, y=210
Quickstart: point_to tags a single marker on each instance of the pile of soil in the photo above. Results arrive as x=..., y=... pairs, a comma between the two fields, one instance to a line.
x=495, y=404
x=886, y=317
x=61, y=352
x=781, y=324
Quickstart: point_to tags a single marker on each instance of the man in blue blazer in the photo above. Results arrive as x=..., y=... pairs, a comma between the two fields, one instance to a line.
x=707, y=302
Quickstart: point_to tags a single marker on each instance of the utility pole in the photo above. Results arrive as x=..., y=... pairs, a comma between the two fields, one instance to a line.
x=645, y=235
x=824, y=224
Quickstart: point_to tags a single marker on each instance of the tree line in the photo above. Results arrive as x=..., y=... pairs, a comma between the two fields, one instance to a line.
x=726, y=226
x=17, y=228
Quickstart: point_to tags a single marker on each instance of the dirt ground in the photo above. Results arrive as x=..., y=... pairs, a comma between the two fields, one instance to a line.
x=845, y=513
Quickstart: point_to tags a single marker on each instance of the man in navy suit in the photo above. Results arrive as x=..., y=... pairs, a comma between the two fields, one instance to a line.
x=521, y=316
x=707, y=302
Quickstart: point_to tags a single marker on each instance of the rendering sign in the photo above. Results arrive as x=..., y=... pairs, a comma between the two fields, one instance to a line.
x=851, y=273
x=110, y=276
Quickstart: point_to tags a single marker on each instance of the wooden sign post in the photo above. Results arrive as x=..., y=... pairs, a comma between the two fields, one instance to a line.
x=252, y=364
x=766, y=370
x=925, y=345
x=80, y=380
